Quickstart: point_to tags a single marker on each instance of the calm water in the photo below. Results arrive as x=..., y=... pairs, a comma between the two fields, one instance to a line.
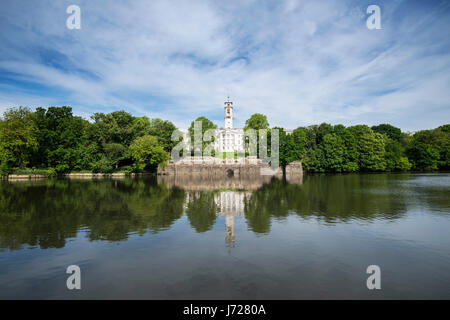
x=142, y=238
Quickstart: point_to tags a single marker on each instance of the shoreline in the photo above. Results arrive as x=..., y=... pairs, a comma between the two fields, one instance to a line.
x=23, y=177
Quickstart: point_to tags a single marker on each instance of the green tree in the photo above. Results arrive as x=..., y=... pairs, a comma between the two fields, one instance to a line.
x=140, y=126
x=333, y=152
x=163, y=129
x=287, y=149
x=299, y=137
x=114, y=153
x=339, y=129
x=403, y=164
x=114, y=127
x=147, y=153
x=371, y=148
x=351, y=154
x=61, y=138
x=198, y=136
x=389, y=130
x=17, y=136
x=305, y=143
x=102, y=165
x=423, y=156
x=322, y=130
x=429, y=149
x=256, y=122
x=444, y=145
x=360, y=129
x=395, y=156
x=314, y=160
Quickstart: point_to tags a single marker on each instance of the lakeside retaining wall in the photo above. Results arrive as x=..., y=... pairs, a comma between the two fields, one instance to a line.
x=245, y=169
x=208, y=169
x=23, y=177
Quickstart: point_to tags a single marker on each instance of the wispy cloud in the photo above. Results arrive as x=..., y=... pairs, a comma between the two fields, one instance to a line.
x=298, y=62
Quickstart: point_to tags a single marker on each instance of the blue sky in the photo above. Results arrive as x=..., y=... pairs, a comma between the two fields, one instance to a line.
x=298, y=62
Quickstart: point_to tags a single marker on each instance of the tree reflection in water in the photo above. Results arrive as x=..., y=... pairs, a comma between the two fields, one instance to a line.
x=47, y=213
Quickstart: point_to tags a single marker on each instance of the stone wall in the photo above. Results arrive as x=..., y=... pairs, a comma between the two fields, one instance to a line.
x=102, y=175
x=199, y=183
x=242, y=168
x=294, y=172
x=23, y=177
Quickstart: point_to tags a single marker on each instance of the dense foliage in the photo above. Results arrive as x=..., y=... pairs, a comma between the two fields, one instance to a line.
x=202, y=137
x=359, y=148
x=257, y=121
x=56, y=141
x=55, y=138
x=327, y=148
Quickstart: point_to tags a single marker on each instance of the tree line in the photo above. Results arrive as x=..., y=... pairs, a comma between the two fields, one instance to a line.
x=360, y=148
x=53, y=141
x=327, y=148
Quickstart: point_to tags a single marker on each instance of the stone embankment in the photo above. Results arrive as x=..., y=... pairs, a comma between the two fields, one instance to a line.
x=210, y=168
x=23, y=177
x=223, y=168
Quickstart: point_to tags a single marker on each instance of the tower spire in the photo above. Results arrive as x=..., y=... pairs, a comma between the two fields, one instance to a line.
x=228, y=114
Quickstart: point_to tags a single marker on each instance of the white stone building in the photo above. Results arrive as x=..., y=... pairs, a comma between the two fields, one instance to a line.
x=229, y=139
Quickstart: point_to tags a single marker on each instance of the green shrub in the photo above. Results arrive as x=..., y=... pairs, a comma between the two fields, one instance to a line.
x=403, y=164
x=4, y=169
x=51, y=173
x=126, y=169
x=102, y=166
x=350, y=167
x=62, y=168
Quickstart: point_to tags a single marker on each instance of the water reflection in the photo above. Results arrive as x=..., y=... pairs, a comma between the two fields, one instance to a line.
x=47, y=213
x=198, y=183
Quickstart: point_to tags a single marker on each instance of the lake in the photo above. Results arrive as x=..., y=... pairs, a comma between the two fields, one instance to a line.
x=167, y=238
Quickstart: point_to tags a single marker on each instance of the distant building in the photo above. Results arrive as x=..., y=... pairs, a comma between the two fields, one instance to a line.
x=229, y=139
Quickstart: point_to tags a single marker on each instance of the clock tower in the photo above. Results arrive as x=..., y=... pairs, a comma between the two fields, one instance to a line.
x=228, y=114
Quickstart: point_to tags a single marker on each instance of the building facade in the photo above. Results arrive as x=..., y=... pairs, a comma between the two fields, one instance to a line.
x=229, y=139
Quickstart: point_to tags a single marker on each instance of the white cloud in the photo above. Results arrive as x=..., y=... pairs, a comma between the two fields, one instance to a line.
x=298, y=62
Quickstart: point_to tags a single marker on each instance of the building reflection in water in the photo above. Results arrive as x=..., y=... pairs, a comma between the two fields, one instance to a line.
x=229, y=203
